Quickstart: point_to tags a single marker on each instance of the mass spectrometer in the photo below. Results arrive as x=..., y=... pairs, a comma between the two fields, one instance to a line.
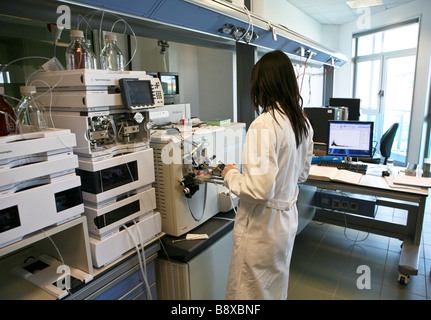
x=188, y=162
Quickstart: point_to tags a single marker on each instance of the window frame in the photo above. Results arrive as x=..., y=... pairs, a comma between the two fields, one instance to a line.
x=383, y=57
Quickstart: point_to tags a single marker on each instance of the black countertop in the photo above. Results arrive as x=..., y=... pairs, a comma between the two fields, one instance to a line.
x=183, y=251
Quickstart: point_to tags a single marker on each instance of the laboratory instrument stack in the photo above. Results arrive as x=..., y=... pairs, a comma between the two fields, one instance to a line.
x=115, y=161
x=38, y=183
x=40, y=194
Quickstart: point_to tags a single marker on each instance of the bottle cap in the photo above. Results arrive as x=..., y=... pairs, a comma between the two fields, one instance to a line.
x=76, y=33
x=27, y=89
x=110, y=37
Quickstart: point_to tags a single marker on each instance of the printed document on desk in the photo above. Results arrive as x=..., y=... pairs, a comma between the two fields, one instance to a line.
x=333, y=174
x=400, y=179
x=390, y=181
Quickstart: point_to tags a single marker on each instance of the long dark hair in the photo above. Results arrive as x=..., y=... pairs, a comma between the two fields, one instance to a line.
x=273, y=80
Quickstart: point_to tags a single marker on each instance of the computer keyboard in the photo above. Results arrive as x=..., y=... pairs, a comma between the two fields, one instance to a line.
x=355, y=167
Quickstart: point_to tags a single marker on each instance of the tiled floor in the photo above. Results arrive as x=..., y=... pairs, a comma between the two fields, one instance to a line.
x=326, y=257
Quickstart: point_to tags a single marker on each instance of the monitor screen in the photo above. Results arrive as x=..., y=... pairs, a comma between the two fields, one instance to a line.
x=136, y=93
x=350, y=138
x=140, y=92
x=169, y=84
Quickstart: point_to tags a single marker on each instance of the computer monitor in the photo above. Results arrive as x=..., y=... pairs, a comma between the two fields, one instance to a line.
x=350, y=139
x=353, y=105
x=171, y=86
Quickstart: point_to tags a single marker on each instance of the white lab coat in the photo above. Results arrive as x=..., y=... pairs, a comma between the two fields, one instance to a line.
x=267, y=217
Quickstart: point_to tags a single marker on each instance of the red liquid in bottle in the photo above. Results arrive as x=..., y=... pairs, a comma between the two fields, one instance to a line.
x=7, y=117
x=80, y=57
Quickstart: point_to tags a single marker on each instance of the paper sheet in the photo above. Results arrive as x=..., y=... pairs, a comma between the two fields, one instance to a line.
x=390, y=181
x=404, y=180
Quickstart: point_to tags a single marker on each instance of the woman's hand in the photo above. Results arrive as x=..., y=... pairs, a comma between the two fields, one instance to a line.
x=227, y=168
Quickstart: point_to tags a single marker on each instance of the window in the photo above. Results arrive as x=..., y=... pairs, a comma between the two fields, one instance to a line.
x=384, y=71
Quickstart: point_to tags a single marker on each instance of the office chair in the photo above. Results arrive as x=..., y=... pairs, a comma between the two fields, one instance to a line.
x=387, y=141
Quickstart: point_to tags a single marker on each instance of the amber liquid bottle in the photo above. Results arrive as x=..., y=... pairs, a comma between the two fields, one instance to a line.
x=7, y=118
x=77, y=54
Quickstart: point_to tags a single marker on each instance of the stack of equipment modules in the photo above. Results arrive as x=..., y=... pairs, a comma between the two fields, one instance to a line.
x=38, y=183
x=109, y=113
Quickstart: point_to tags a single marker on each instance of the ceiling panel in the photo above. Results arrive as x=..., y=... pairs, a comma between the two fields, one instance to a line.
x=337, y=11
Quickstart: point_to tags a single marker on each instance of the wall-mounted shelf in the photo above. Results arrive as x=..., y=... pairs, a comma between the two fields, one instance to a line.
x=196, y=22
x=220, y=20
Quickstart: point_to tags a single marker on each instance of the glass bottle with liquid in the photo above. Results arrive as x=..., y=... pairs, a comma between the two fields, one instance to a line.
x=77, y=54
x=7, y=117
x=111, y=57
x=92, y=55
x=31, y=116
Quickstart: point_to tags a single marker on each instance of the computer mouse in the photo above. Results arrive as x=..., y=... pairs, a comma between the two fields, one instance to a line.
x=385, y=173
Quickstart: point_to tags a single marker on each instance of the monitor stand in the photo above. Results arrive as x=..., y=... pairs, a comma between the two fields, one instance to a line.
x=347, y=159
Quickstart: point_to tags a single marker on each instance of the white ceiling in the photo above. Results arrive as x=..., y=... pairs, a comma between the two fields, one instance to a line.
x=337, y=11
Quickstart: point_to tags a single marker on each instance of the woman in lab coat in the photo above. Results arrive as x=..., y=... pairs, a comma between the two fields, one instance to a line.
x=277, y=156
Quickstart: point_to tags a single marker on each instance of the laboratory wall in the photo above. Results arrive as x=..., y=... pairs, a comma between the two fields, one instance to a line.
x=291, y=17
x=147, y=55
x=207, y=79
x=286, y=14
x=207, y=75
x=344, y=76
x=217, y=84
x=310, y=81
x=178, y=57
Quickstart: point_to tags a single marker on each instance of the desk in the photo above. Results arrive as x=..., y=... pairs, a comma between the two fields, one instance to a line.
x=412, y=200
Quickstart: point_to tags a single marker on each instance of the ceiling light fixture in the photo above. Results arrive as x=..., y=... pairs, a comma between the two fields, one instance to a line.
x=356, y=4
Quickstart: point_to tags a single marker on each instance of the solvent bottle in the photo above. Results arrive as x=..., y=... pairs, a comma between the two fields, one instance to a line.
x=31, y=116
x=7, y=117
x=77, y=54
x=92, y=55
x=111, y=57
